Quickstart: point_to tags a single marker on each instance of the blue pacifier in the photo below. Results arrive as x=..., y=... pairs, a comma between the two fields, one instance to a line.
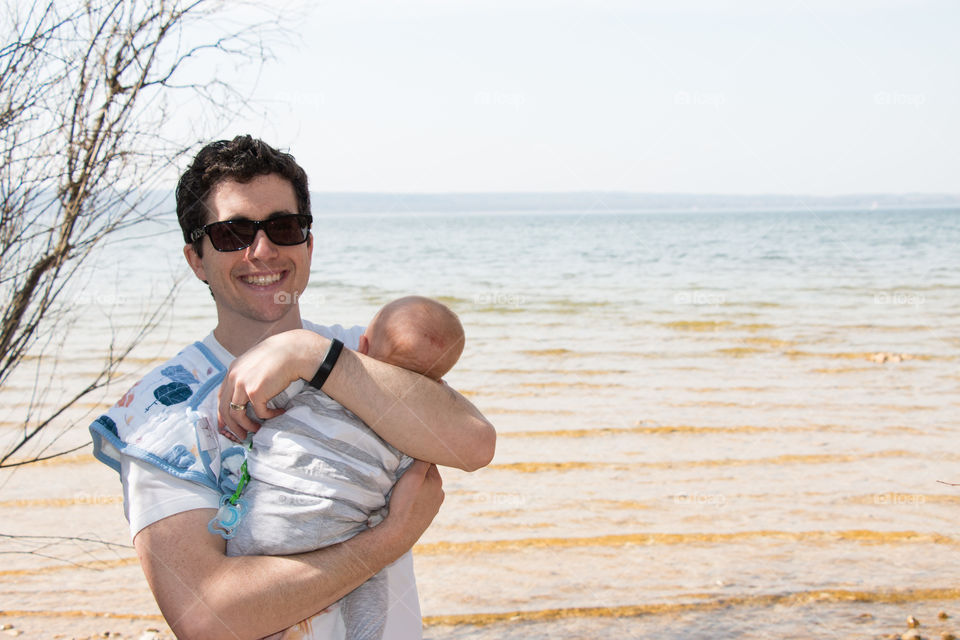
x=228, y=517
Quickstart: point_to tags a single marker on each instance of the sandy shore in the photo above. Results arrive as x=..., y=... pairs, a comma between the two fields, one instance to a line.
x=75, y=575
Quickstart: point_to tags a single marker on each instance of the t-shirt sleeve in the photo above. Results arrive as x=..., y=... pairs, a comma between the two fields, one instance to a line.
x=150, y=494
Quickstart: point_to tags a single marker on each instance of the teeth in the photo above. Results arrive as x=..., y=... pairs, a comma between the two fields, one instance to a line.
x=261, y=280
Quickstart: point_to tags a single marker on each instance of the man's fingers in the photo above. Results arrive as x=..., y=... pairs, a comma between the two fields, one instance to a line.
x=236, y=422
x=433, y=477
x=409, y=484
x=223, y=419
x=228, y=424
x=237, y=414
x=224, y=409
x=246, y=423
x=433, y=473
x=262, y=411
x=417, y=470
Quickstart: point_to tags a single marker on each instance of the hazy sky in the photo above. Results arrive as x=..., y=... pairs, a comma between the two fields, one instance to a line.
x=793, y=97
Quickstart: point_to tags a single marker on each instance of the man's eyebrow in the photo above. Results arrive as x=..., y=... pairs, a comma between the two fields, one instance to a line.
x=275, y=214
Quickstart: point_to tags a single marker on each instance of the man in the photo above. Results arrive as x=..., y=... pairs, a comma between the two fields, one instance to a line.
x=256, y=265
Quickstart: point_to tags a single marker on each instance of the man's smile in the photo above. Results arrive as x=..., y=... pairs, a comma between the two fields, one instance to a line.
x=262, y=280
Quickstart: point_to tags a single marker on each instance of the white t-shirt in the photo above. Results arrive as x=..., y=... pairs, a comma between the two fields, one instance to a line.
x=150, y=494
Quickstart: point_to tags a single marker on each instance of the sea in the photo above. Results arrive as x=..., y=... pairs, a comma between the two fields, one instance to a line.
x=711, y=424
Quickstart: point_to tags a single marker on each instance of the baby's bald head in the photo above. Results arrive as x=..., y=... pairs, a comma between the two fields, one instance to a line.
x=416, y=333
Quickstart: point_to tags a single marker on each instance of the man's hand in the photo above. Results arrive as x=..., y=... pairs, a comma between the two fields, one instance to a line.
x=263, y=372
x=415, y=502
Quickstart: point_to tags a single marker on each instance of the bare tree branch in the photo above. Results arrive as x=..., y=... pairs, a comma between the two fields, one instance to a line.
x=84, y=89
x=62, y=548
x=59, y=539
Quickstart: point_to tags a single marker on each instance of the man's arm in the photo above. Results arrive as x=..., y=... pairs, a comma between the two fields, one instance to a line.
x=424, y=419
x=205, y=594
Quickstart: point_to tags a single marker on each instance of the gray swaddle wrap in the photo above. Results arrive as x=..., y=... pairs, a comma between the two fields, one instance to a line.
x=319, y=476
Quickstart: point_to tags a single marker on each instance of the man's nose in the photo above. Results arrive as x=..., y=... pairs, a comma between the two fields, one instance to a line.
x=262, y=246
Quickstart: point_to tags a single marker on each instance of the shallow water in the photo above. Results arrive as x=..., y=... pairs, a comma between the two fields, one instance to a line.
x=711, y=425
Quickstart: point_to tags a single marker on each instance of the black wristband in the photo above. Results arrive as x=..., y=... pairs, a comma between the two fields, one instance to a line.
x=327, y=365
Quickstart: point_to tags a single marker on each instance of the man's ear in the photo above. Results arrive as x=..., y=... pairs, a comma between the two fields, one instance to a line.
x=195, y=262
x=364, y=345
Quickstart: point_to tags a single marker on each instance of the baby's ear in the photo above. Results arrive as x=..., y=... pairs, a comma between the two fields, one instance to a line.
x=364, y=345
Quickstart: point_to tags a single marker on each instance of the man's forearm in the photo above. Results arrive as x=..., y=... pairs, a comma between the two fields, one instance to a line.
x=205, y=594
x=421, y=417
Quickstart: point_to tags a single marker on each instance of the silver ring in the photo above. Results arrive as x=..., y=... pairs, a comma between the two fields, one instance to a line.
x=237, y=407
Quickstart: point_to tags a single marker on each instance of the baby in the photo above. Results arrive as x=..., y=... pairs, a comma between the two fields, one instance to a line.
x=319, y=475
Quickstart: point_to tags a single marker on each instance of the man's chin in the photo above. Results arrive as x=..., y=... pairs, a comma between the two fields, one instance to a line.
x=271, y=315
x=274, y=316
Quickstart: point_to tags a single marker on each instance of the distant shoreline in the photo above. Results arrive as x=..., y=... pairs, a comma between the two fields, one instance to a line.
x=320, y=211
x=591, y=203
x=342, y=202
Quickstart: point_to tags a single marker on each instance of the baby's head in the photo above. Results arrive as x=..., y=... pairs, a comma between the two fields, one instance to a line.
x=415, y=333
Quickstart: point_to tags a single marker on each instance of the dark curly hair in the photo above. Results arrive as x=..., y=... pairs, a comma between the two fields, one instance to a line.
x=241, y=159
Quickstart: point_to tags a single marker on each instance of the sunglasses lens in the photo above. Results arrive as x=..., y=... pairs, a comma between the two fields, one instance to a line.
x=233, y=235
x=287, y=230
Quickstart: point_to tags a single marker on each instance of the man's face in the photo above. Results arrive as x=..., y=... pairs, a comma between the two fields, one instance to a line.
x=256, y=288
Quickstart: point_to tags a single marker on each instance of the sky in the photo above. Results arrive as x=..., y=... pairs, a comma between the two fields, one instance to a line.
x=753, y=97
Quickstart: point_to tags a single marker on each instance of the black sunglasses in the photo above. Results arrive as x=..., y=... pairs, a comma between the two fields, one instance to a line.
x=233, y=235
